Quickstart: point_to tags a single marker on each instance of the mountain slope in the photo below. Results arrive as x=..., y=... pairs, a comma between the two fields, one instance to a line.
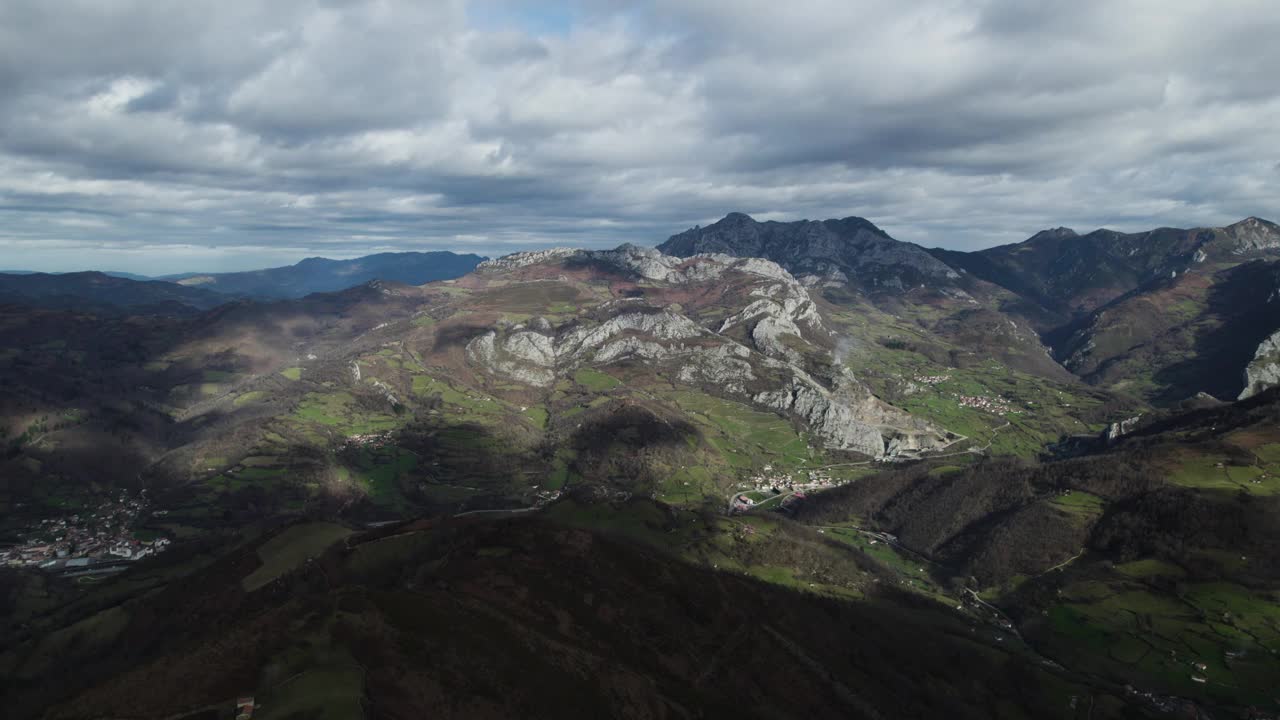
x=852, y=263
x=1162, y=314
x=1150, y=560
x=324, y=275
x=95, y=291
x=1195, y=332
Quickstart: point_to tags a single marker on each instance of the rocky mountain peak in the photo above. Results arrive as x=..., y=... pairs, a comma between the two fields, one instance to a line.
x=851, y=251
x=1253, y=234
x=1058, y=233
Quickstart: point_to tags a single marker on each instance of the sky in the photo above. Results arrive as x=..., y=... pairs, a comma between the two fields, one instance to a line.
x=210, y=135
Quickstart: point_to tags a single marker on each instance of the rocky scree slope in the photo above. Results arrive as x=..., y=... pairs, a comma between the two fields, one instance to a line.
x=1264, y=371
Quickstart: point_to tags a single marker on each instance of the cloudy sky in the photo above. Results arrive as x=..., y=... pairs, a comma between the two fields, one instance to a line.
x=230, y=134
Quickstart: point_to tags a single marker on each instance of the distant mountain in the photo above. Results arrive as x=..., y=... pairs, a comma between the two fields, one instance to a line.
x=324, y=275
x=1072, y=274
x=98, y=292
x=111, y=273
x=852, y=250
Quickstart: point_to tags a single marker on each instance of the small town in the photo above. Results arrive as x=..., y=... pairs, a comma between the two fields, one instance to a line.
x=84, y=539
x=978, y=402
x=931, y=379
x=770, y=482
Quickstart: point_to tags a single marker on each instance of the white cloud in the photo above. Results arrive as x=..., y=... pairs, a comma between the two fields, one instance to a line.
x=296, y=126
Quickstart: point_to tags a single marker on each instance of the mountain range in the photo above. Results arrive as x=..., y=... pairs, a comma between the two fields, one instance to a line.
x=1162, y=314
x=317, y=274
x=658, y=482
x=182, y=293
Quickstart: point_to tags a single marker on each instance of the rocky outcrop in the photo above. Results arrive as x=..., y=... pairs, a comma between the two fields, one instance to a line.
x=664, y=325
x=1117, y=430
x=726, y=366
x=780, y=310
x=646, y=263
x=1263, y=372
x=835, y=422
x=849, y=417
x=532, y=357
x=525, y=259
x=517, y=356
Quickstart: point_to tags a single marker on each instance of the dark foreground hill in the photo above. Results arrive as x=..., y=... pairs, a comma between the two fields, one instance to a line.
x=520, y=617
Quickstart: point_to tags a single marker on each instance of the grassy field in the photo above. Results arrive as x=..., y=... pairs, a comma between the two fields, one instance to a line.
x=1190, y=467
x=290, y=549
x=339, y=410
x=537, y=415
x=468, y=403
x=292, y=373
x=380, y=471
x=1117, y=624
x=912, y=574
x=595, y=380
x=747, y=438
x=248, y=398
x=326, y=693
x=1079, y=504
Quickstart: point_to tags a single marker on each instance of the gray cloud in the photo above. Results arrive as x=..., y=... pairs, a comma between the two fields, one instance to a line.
x=166, y=136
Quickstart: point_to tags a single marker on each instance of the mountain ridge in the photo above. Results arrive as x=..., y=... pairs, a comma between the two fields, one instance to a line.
x=91, y=290
x=320, y=274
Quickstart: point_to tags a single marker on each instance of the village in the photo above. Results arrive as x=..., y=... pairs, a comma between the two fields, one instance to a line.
x=84, y=539
x=995, y=405
x=991, y=405
x=776, y=484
